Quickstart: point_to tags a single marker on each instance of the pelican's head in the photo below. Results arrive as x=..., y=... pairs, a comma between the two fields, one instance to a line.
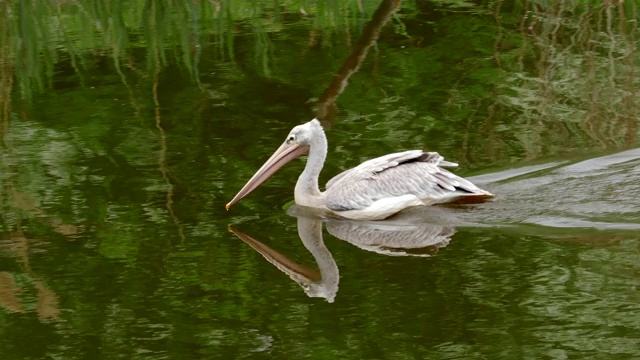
x=305, y=134
x=297, y=143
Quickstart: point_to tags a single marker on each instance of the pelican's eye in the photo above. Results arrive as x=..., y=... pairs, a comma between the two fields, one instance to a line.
x=291, y=139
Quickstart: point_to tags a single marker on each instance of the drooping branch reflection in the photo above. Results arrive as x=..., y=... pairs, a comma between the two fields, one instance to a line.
x=327, y=102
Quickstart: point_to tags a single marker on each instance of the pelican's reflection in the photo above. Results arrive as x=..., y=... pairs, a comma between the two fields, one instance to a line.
x=386, y=237
x=322, y=283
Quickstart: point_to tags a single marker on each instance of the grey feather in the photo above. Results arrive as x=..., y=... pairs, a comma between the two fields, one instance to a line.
x=410, y=172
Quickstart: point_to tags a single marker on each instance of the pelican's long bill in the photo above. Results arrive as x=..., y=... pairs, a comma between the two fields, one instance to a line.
x=284, y=154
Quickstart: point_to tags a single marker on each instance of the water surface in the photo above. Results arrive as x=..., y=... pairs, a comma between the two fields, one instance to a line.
x=126, y=127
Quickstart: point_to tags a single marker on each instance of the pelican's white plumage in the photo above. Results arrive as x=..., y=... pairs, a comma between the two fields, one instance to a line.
x=376, y=189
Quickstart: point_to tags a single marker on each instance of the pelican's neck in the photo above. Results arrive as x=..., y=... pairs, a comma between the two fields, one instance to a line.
x=307, y=192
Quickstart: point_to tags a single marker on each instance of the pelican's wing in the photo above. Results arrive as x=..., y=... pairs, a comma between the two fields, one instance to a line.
x=381, y=163
x=412, y=172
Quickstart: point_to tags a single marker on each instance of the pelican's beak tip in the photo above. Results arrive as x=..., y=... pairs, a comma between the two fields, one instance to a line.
x=227, y=206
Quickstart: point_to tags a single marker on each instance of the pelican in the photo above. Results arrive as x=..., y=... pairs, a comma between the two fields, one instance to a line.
x=374, y=190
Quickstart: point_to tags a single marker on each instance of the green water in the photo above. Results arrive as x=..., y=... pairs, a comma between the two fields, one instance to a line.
x=127, y=126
